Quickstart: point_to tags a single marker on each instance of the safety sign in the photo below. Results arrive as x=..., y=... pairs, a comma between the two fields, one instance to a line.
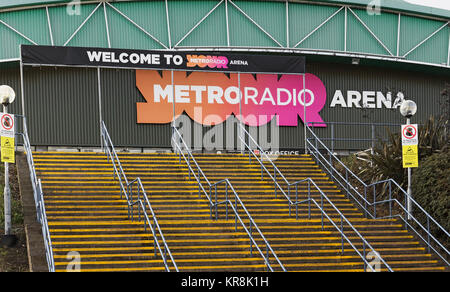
x=410, y=156
x=7, y=132
x=410, y=135
x=8, y=153
x=410, y=141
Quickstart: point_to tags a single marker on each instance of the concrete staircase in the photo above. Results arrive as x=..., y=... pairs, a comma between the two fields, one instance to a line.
x=301, y=244
x=87, y=216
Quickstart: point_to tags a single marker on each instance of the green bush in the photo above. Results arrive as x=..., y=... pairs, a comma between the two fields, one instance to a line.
x=431, y=180
x=431, y=190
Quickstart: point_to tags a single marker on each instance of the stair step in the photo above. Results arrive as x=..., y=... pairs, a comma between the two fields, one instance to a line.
x=86, y=213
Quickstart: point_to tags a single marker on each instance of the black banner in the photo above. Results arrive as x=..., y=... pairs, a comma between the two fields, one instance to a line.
x=162, y=60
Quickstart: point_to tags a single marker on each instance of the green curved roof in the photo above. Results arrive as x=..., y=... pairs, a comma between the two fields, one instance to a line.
x=397, y=5
x=402, y=33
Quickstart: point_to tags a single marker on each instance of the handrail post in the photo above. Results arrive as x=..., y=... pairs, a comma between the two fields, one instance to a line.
x=321, y=206
x=373, y=138
x=296, y=200
x=406, y=213
x=342, y=235
x=364, y=255
x=275, y=182
x=374, y=202
x=215, y=203
x=309, y=200
x=226, y=201
x=138, y=202
x=130, y=205
x=251, y=242
x=390, y=198
x=428, y=229
x=210, y=206
x=332, y=149
x=289, y=196
x=235, y=215
x=347, y=184
x=198, y=177
x=365, y=202
x=154, y=237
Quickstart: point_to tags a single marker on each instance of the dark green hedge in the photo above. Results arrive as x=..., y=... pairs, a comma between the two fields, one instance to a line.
x=431, y=190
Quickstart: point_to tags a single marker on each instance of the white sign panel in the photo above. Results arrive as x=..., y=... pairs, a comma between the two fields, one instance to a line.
x=7, y=125
x=410, y=135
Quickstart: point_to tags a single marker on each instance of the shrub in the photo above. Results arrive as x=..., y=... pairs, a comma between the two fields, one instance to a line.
x=431, y=190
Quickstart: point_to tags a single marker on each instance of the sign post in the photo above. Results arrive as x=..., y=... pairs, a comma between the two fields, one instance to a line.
x=410, y=155
x=410, y=141
x=7, y=132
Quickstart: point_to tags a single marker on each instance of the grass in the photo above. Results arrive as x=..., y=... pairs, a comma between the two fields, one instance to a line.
x=13, y=259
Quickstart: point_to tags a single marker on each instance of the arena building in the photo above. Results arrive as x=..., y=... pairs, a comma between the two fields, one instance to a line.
x=157, y=79
x=366, y=58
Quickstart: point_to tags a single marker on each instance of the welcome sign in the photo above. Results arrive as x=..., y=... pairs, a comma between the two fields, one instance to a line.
x=162, y=60
x=205, y=83
x=210, y=98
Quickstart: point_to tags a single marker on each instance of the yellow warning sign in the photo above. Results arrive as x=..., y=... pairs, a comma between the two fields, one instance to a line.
x=8, y=153
x=410, y=156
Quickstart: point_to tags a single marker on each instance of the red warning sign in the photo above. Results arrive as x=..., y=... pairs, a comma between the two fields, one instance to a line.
x=7, y=125
x=409, y=135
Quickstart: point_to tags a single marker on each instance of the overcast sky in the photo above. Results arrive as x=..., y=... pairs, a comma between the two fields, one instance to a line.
x=443, y=4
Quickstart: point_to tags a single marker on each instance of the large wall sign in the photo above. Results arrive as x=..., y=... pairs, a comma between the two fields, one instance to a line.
x=162, y=60
x=210, y=98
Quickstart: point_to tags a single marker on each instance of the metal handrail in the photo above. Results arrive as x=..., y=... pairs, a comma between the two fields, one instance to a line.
x=141, y=202
x=38, y=197
x=366, y=204
x=144, y=204
x=251, y=221
x=214, y=204
x=309, y=200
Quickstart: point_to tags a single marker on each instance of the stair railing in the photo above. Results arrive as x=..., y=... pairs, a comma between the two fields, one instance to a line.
x=277, y=173
x=328, y=162
x=38, y=196
x=140, y=199
x=214, y=203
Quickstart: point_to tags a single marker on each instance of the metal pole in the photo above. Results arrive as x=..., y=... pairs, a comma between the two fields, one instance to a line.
x=304, y=110
x=100, y=104
x=226, y=199
x=289, y=196
x=240, y=114
x=22, y=89
x=408, y=121
x=373, y=140
x=173, y=107
x=7, y=193
x=332, y=138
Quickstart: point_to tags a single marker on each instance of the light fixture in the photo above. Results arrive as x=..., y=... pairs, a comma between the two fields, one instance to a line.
x=408, y=108
x=355, y=61
x=7, y=95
